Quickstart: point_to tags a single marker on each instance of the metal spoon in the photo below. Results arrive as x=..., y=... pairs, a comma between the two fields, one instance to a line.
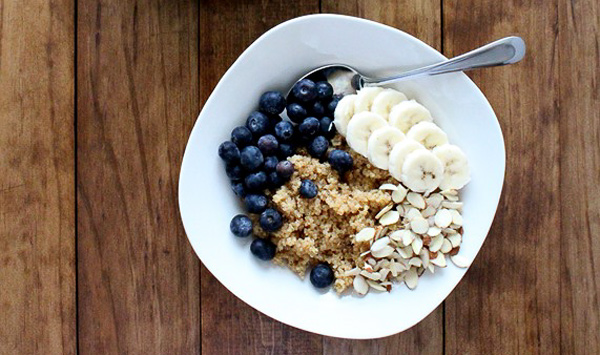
x=346, y=80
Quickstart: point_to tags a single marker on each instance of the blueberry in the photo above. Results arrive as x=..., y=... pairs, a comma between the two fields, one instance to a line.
x=271, y=163
x=229, y=152
x=286, y=150
x=256, y=203
x=270, y=220
x=308, y=189
x=251, y=158
x=234, y=172
x=263, y=249
x=340, y=160
x=258, y=123
x=324, y=91
x=272, y=102
x=285, y=169
x=256, y=181
x=321, y=275
x=318, y=146
x=284, y=131
x=274, y=180
x=332, y=105
x=308, y=127
x=317, y=109
x=241, y=136
x=268, y=144
x=238, y=189
x=241, y=226
x=327, y=127
x=305, y=90
x=296, y=112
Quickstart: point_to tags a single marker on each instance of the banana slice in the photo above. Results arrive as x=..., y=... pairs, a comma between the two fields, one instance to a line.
x=398, y=155
x=343, y=113
x=365, y=98
x=360, y=128
x=408, y=113
x=456, y=167
x=385, y=100
x=380, y=145
x=422, y=171
x=428, y=134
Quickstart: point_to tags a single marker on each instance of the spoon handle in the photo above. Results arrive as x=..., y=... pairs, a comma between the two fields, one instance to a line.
x=501, y=52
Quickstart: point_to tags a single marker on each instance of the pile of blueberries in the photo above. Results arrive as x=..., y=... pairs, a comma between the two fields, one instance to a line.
x=256, y=158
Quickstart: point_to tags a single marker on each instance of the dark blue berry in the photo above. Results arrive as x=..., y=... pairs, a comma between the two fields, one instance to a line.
x=251, y=158
x=271, y=163
x=296, y=112
x=258, y=123
x=284, y=131
x=305, y=90
x=321, y=275
x=274, y=180
x=241, y=136
x=285, y=169
x=241, y=226
x=324, y=91
x=317, y=109
x=268, y=144
x=318, y=146
x=309, y=127
x=327, y=127
x=272, y=102
x=229, y=152
x=308, y=189
x=234, y=172
x=263, y=249
x=332, y=105
x=270, y=220
x=340, y=160
x=256, y=181
x=286, y=150
x=256, y=203
x=238, y=189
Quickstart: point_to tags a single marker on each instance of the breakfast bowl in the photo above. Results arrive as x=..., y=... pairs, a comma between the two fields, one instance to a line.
x=274, y=62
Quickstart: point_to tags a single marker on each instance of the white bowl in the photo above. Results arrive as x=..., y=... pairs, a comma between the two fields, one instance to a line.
x=274, y=62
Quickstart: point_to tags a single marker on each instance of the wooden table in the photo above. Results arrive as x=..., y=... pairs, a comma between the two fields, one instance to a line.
x=97, y=98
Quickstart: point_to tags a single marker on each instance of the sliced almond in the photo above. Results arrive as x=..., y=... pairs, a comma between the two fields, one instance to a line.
x=384, y=252
x=412, y=213
x=400, y=210
x=454, y=251
x=449, y=231
x=406, y=252
x=416, y=200
x=390, y=187
x=376, y=285
x=431, y=221
x=415, y=261
x=411, y=278
x=449, y=192
x=435, y=200
x=457, y=219
x=396, y=235
x=399, y=194
x=384, y=211
x=455, y=239
x=440, y=260
x=446, y=246
x=371, y=261
x=424, y=255
x=419, y=225
x=365, y=234
x=389, y=218
x=352, y=272
x=428, y=212
x=443, y=218
x=436, y=243
x=380, y=244
x=370, y=275
x=433, y=231
x=452, y=205
x=368, y=267
x=360, y=285
x=460, y=261
x=407, y=237
x=431, y=268
x=384, y=274
x=417, y=244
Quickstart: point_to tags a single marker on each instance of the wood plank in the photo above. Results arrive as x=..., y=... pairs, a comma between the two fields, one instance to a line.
x=229, y=326
x=508, y=302
x=579, y=72
x=423, y=20
x=137, y=100
x=37, y=204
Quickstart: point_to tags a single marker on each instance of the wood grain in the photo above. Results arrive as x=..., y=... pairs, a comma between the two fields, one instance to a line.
x=579, y=107
x=508, y=302
x=137, y=100
x=423, y=20
x=37, y=204
x=229, y=326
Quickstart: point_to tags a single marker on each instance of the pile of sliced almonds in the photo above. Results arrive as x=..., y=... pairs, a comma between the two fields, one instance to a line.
x=415, y=233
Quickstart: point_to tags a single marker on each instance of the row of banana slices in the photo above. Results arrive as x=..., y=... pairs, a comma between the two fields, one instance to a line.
x=399, y=135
